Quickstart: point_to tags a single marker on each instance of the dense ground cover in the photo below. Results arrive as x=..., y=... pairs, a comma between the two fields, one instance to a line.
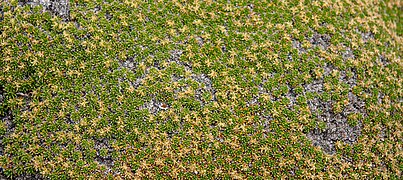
x=201, y=89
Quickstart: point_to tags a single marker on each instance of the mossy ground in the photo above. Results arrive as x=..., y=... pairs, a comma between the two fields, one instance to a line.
x=202, y=89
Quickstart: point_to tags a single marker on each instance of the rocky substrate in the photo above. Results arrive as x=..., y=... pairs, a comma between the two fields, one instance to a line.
x=204, y=82
x=60, y=8
x=337, y=126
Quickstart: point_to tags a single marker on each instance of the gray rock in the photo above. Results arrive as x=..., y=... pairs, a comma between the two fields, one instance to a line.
x=153, y=105
x=297, y=45
x=367, y=36
x=58, y=7
x=321, y=40
x=348, y=54
x=1, y=15
x=337, y=127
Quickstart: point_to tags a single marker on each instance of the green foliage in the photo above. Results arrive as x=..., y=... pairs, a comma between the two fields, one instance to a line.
x=214, y=90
